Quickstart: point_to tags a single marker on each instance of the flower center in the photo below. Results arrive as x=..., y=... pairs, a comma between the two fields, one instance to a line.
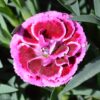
x=45, y=51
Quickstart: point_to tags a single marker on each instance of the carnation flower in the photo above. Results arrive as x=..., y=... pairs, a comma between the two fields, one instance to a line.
x=47, y=49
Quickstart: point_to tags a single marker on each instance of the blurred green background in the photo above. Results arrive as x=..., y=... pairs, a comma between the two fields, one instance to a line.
x=85, y=85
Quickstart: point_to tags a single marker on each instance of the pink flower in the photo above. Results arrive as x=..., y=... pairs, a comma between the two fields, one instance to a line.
x=47, y=49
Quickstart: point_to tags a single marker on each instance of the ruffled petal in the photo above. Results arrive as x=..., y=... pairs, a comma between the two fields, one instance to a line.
x=66, y=69
x=61, y=51
x=73, y=48
x=25, y=54
x=61, y=61
x=70, y=29
x=28, y=37
x=50, y=70
x=52, y=29
x=35, y=65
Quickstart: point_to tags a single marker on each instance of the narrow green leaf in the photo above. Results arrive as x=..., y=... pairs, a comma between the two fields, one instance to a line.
x=49, y=6
x=10, y=60
x=4, y=44
x=88, y=71
x=79, y=97
x=6, y=89
x=86, y=92
x=75, y=8
x=4, y=40
x=5, y=97
x=2, y=3
x=87, y=18
x=54, y=94
x=68, y=7
x=17, y=3
x=4, y=37
x=24, y=85
x=8, y=14
x=12, y=81
x=1, y=66
x=22, y=7
x=22, y=97
x=25, y=12
x=5, y=34
x=68, y=2
x=97, y=7
x=11, y=4
x=48, y=89
x=14, y=96
x=36, y=6
x=82, y=4
x=6, y=1
x=3, y=23
x=30, y=6
x=98, y=80
x=21, y=2
x=71, y=5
